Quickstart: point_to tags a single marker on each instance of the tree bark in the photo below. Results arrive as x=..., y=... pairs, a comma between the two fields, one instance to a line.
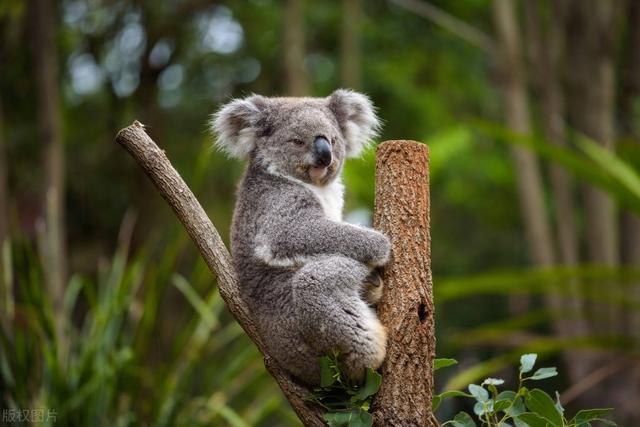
x=294, y=51
x=350, y=51
x=50, y=133
x=406, y=307
x=516, y=110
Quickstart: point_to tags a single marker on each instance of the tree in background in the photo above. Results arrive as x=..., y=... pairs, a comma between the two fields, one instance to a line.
x=293, y=49
x=45, y=69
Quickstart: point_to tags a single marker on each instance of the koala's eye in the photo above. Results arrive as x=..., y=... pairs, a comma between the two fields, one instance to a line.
x=298, y=142
x=333, y=141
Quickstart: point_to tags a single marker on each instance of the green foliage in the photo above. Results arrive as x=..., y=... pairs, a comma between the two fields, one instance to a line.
x=521, y=408
x=106, y=369
x=347, y=404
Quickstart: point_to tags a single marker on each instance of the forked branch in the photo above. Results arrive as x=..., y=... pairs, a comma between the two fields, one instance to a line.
x=402, y=207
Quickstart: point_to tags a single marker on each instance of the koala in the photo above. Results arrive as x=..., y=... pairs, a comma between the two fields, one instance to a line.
x=308, y=278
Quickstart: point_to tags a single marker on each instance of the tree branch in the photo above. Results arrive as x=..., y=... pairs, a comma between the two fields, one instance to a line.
x=177, y=194
x=451, y=23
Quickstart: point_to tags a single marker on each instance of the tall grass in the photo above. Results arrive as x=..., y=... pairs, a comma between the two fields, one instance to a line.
x=111, y=368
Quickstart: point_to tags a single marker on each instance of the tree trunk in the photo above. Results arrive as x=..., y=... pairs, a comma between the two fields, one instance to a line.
x=516, y=110
x=6, y=281
x=49, y=127
x=406, y=307
x=547, y=45
x=630, y=254
x=591, y=85
x=350, y=48
x=4, y=190
x=294, y=52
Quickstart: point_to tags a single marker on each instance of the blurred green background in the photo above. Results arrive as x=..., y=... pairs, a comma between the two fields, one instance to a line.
x=531, y=112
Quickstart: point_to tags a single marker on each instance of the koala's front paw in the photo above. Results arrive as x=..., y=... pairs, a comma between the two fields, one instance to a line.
x=380, y=250
x=373, y=286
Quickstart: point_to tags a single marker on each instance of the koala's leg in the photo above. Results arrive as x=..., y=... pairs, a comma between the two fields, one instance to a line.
x=332, y=314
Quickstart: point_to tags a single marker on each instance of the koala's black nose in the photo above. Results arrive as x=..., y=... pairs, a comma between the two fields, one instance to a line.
x=322, y=151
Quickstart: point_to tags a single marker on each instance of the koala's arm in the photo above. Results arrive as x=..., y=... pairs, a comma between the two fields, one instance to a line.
x=312, y=235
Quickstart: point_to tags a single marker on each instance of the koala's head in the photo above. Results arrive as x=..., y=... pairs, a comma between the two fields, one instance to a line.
x=304, y=138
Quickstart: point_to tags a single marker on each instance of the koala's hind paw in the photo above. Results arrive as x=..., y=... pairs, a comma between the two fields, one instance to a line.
x=373, y=286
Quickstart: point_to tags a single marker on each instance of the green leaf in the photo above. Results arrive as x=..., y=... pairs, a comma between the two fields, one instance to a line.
x=326, y=372
x=438, y=398
x=480, y=393
x=355, y=418
x=609, y=162
x=435, y=402
x=559, y=406
x=493, y=381
x=371, y=385
x=462, y=419
x=501, y=405
x=527, y=361
x=532, y=420
x=361, y=418
x=481, y=408
x=443, y=363
x=543, y=373
x=507, y=394
x=541, y=403
x=337, y=419
x=590, y=414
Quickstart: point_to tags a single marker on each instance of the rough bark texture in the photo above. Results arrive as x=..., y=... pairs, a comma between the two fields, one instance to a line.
x=207, y=239
x=406, y=307
x=50, y=133
x=517, y=115
x=350, y=52
x=296, y=75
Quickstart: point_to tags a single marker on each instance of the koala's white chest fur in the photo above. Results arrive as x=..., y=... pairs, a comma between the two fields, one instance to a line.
x=331, y=198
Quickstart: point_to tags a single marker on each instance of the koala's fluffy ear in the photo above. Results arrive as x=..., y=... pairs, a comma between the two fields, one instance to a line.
x=357, y=119
x=236, y=123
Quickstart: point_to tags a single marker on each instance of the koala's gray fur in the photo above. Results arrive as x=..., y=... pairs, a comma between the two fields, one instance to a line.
x=303, y=272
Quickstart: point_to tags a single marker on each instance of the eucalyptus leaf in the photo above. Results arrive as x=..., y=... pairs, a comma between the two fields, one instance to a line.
x=337, y=419
x=559, y=406
x=493, y=381
x=590, y=414
x=443, y=363
x=326, y=372
x=541, y=403
x=462, y=419
x=527, y=361
x=532, y=420
x=438, y=398
x=543, y=373
x=480, y=393
x=371, y=385
x=501, y=405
